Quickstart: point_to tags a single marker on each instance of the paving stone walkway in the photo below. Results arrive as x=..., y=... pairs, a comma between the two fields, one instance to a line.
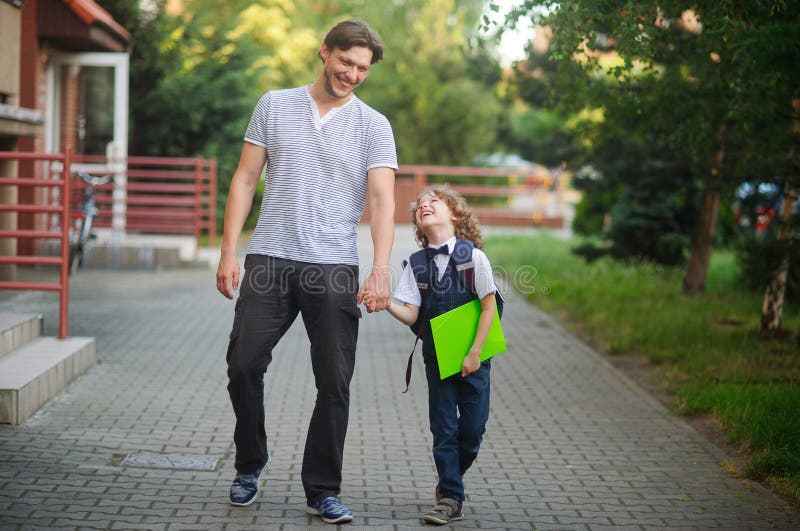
x=571, y=442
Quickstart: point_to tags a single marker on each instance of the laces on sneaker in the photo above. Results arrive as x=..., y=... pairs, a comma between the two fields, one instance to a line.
x=331, y=510
x=445, y=510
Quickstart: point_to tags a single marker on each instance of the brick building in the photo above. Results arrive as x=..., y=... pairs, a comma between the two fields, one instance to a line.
x=63, y=83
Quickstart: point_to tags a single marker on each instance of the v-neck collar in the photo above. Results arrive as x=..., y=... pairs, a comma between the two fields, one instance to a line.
x=319, y=121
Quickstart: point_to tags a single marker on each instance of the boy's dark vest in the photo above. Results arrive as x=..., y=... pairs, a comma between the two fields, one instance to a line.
x=439, y=296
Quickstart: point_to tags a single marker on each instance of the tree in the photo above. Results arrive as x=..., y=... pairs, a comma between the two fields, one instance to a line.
x=679, y=63
x=768, y=107
x=539, y=129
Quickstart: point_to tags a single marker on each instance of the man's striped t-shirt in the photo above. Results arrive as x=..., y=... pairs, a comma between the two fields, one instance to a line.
x=316, y=176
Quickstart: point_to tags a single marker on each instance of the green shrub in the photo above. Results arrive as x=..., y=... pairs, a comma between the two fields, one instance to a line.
x=648, y=227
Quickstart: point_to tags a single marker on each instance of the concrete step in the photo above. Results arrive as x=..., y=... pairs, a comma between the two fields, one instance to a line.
x=37, y=371
x=137, y=254
x=99, y=256
x=17, y=329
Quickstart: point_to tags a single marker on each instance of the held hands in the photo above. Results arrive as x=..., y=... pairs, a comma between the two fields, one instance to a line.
x=370, y=300
x=375, y=291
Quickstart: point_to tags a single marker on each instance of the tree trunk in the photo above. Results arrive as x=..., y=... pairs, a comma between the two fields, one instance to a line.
x=772, y=309
x=702, y=243
x=703, y=238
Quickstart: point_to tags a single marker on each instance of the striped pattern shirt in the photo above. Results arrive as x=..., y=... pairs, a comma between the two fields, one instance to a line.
x=316, y=178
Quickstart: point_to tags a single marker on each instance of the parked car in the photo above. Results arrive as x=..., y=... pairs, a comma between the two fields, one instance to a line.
x=756, y=206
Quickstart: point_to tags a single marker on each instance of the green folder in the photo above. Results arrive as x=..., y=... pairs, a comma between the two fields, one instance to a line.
x=453, y=335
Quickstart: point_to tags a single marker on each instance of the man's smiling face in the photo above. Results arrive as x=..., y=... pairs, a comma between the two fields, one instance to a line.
x=344, y=70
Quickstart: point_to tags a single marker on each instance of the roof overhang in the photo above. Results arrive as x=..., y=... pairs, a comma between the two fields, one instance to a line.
x=80, y=25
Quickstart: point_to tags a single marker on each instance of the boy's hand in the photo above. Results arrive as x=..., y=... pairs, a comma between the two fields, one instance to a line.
x=367, y=297
x=471, y=363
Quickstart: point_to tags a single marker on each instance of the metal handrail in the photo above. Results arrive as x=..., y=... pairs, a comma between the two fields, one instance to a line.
x=64, y=183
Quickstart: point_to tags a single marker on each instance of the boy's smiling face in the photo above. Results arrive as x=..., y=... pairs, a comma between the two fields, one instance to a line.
x=433, y=211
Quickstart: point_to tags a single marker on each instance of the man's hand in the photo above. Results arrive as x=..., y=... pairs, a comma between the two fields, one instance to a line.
x=377, y=286
x=240, y=199
x=228, y=274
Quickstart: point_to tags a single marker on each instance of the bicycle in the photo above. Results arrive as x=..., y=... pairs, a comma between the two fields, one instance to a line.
x=86, y=215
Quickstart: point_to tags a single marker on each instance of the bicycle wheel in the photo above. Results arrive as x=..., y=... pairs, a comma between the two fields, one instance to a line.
x=76, y=250
x=75, y=257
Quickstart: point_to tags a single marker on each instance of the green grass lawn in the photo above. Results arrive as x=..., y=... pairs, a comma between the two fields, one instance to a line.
x=709, y=353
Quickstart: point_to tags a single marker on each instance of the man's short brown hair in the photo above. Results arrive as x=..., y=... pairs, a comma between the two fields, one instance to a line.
x=354, y=32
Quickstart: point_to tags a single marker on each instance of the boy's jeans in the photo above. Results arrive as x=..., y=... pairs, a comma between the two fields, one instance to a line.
x=272, y=292
x=458, y=409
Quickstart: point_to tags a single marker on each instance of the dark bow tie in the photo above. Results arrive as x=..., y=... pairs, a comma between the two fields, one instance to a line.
x=430, y=252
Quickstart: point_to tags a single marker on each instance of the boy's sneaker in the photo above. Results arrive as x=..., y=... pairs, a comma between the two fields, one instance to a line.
x=244, y=487
x=330, y=510
x=446, y=510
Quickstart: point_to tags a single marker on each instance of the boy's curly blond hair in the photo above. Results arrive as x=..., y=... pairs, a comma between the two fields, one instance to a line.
x=466, y=224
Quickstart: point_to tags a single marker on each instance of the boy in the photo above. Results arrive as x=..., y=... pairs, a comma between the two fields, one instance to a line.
x=458, y=406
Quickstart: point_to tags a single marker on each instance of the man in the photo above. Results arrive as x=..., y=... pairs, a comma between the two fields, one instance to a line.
x=327, y=153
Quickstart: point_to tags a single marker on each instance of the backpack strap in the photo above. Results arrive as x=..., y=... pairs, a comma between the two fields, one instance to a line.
x=422, y=276
x=421, y=272
x=411, y=361
x=465, y=267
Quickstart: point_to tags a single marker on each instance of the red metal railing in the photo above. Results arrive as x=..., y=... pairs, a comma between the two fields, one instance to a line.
x=498, y=196
x=164, y=195
x=62, y=234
